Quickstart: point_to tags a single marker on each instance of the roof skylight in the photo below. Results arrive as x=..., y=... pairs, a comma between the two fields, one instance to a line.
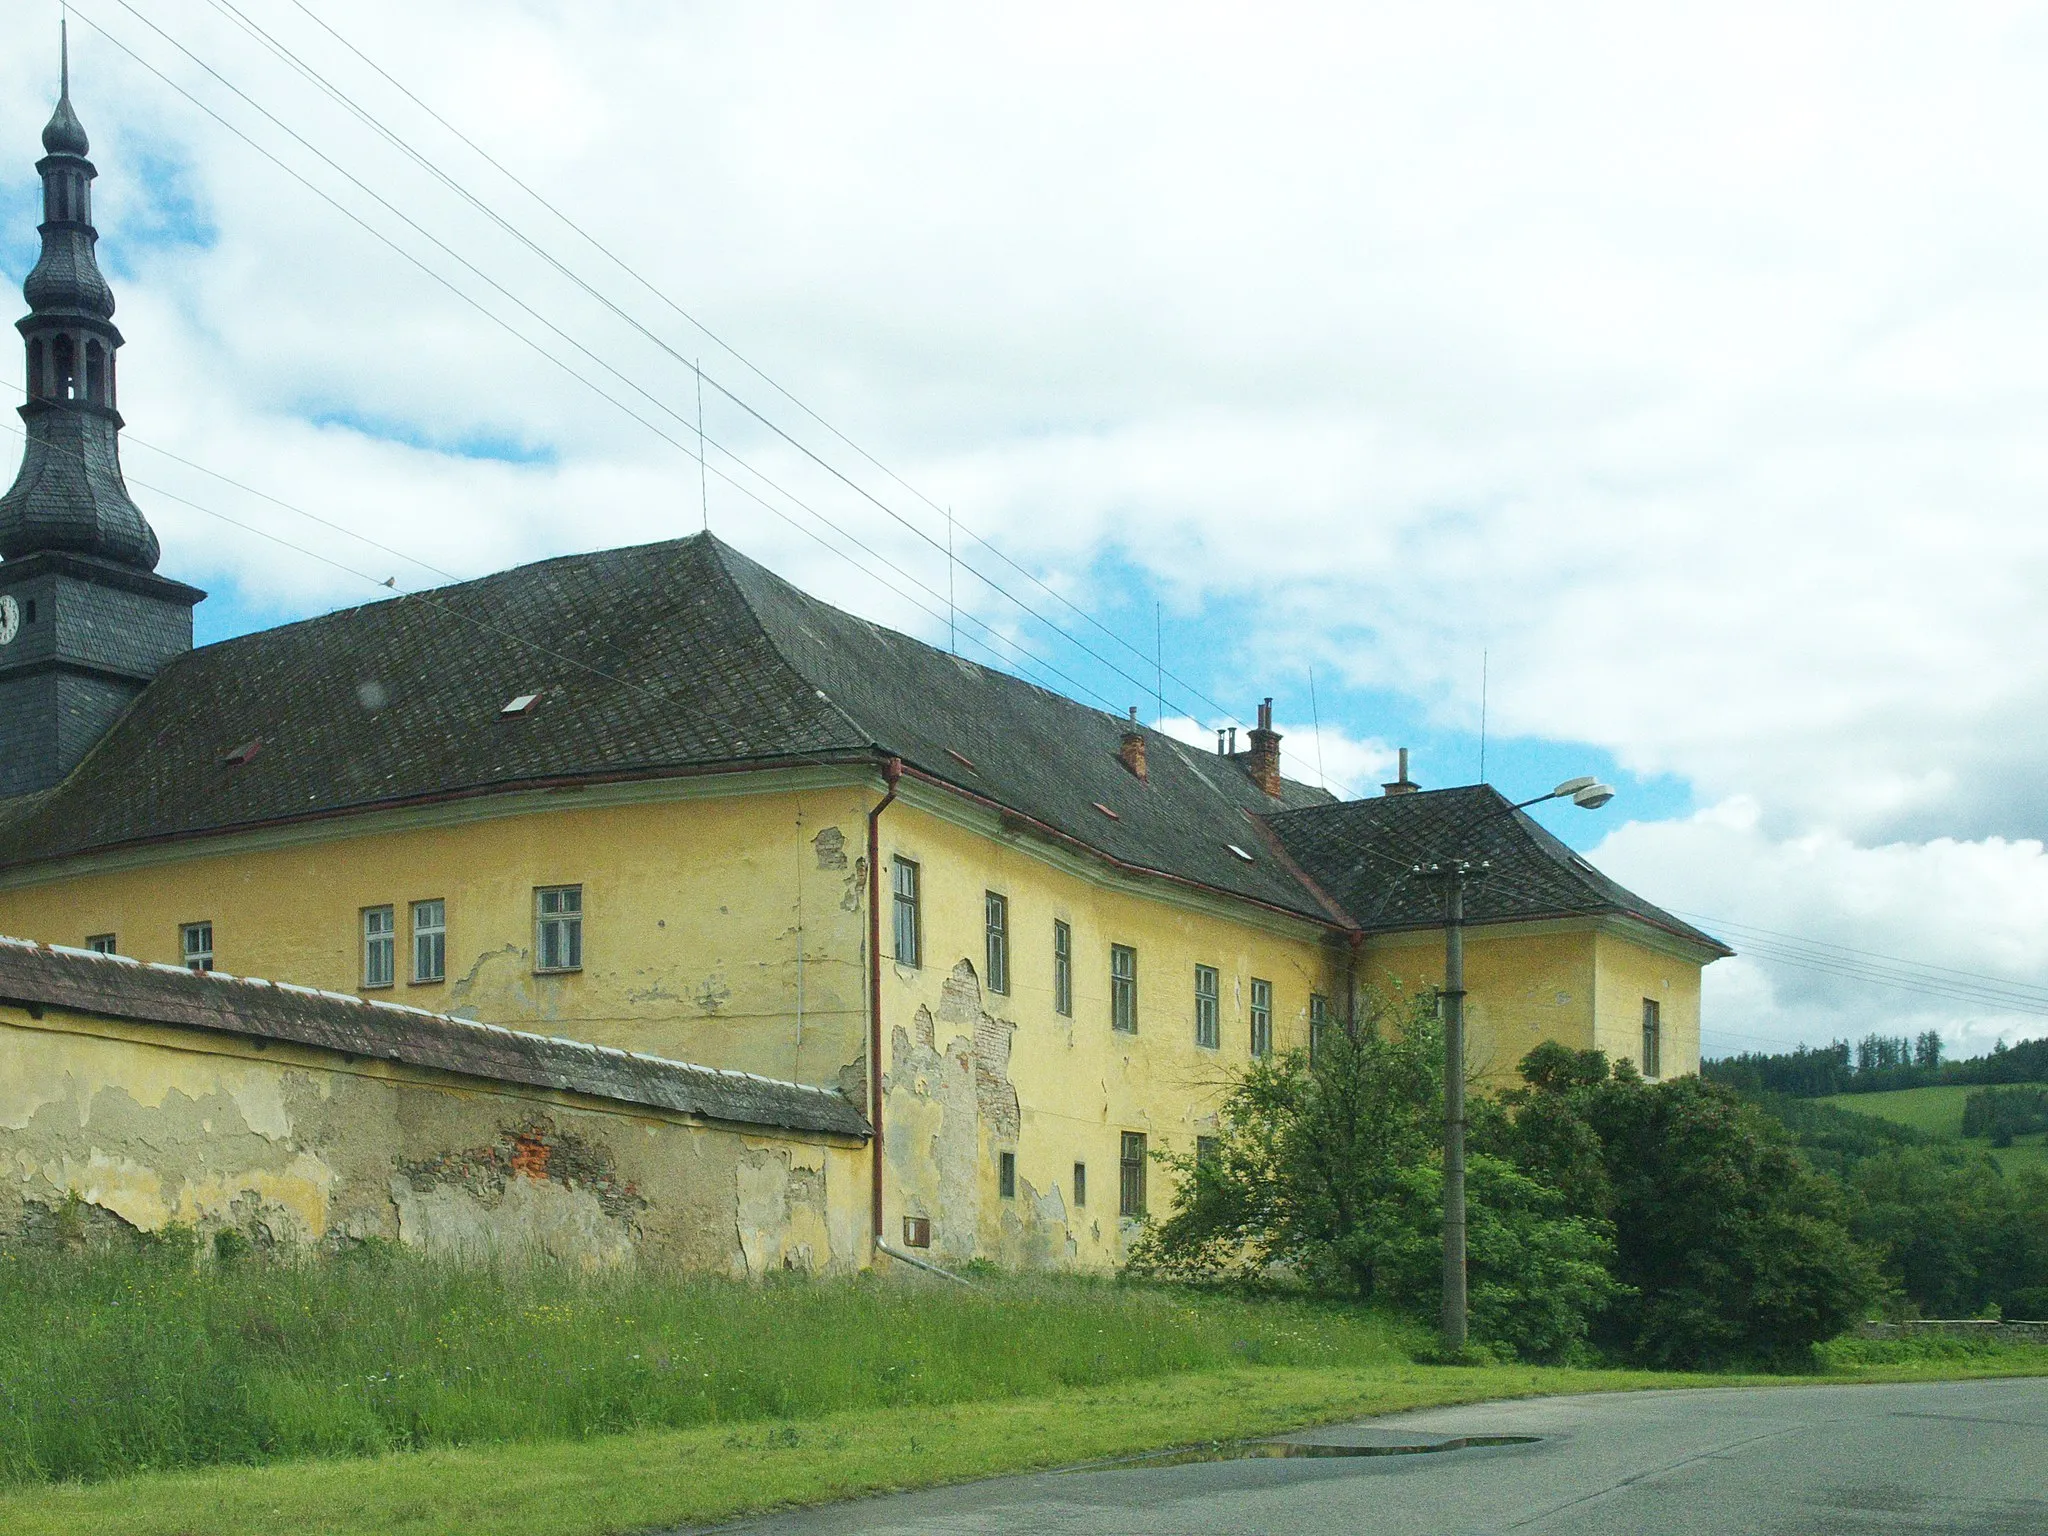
x=519, y=705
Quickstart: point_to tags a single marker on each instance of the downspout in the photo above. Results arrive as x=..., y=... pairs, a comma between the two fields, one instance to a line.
x=892, y=774
x=1354, y=942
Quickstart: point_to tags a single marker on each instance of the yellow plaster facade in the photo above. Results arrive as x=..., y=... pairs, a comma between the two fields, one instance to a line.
x=723, y=928
x=971, y=1074
x=1581, y=982
x=301, y=1148
x=725, y=922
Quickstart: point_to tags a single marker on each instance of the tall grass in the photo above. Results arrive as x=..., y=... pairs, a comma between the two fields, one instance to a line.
x=119, y=1361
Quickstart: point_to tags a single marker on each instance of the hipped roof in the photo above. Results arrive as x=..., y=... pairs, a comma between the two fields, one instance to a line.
x=687, y=657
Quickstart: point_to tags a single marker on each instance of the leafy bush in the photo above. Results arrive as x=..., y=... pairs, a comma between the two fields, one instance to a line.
x=1727, y=1245
x=1327, y=1173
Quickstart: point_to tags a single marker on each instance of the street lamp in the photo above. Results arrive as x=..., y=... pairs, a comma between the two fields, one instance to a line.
x=1589, y=794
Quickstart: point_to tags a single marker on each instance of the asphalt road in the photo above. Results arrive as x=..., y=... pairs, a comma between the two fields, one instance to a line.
x=1963, y=1458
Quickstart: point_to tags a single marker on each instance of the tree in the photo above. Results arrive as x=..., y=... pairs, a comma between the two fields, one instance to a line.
x=1328, y=1175
x=1727, y=1246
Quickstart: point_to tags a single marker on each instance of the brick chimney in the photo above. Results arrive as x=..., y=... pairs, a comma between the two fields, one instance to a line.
x=1131, y=750
x=1402, y=785
x=1262, y=762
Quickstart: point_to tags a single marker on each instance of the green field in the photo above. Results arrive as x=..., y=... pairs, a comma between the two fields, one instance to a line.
x=1939, y=1112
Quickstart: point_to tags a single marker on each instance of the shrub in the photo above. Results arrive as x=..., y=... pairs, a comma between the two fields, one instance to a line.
x=1327, y=1173
x=1727, y=1245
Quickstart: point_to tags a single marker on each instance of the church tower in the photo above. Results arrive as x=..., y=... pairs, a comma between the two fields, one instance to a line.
x=85, y=621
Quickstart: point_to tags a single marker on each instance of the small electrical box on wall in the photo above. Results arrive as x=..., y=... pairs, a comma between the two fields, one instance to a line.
x=917, y=1231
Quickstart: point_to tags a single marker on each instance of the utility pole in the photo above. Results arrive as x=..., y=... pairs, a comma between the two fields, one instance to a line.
x=1589, y=795
x=1454, y=875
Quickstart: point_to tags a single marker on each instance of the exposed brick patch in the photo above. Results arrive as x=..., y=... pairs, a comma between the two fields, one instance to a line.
x=534, y=1151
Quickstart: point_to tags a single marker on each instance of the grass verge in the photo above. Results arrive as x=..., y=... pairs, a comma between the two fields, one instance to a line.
x=124, y=1362
x=653, y=1479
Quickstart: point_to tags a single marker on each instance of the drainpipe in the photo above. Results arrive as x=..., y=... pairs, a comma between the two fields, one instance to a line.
x=1354, y=944
x=892, y=773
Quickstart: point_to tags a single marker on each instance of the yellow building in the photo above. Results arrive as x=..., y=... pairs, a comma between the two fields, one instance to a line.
x=659, y=800
x=630, y=798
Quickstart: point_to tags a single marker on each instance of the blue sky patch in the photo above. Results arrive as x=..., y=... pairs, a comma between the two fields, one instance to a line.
x=502, y=448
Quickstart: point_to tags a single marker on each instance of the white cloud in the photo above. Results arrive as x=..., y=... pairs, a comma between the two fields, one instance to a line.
x=1686, y=361
x=1325, y=756
x=1896, y=938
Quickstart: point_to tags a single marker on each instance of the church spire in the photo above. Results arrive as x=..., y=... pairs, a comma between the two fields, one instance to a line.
x=85, y=622
x=69, y=495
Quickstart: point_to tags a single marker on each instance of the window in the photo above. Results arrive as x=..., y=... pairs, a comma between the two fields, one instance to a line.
x=1318, y=1021
x=101, y=944
x=1208, y=1031
x=429, y=940
x=1207, y=1150
x=1262, y=1017
x=1653, y=1036
x=1006, y=1175
x=380, y=946
x=1080, y=1183
x=909, y=931
x=195, y=943
x=558, y=921
x=996, y=915
x=1123, y=988
x=1131, y=1175
x=1063, y=970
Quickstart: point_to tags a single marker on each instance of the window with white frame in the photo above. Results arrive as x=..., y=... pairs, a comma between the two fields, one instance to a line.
x=996, y=918
x=195, y=943
x=1653, y=1037
x=102, y=944
x=909, y=924
x=1262, y=1017
x=1062, y=969
x=380, y=946
x=1208, y=1007
x=558, y=925
x=1123, y=989
x=429, y=941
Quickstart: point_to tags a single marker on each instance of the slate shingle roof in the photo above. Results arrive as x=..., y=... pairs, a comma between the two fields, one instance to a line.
x=1362, y=853
x=687, y=657
x=664, y=658
x=112, y=986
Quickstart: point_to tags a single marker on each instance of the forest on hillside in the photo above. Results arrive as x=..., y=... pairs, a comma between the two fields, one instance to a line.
x=1876, y=1064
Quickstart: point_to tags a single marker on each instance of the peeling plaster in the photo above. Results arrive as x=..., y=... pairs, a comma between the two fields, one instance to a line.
x=779, y=1210
x=292, y=1154
x=830, y=844
x=950, y=1112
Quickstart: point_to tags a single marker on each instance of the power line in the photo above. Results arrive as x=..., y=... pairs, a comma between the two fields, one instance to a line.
x=988, y=629
x=1868, y=954
x=726, y=346
x=440, y=174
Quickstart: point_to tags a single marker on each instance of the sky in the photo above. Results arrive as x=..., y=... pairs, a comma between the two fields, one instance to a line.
x=1646, y=391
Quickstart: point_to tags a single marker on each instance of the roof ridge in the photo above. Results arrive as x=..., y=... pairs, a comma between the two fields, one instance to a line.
x=722, y=554
x=439, y=592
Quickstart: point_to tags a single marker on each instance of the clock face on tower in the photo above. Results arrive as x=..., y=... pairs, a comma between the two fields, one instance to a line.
x=10, y=619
